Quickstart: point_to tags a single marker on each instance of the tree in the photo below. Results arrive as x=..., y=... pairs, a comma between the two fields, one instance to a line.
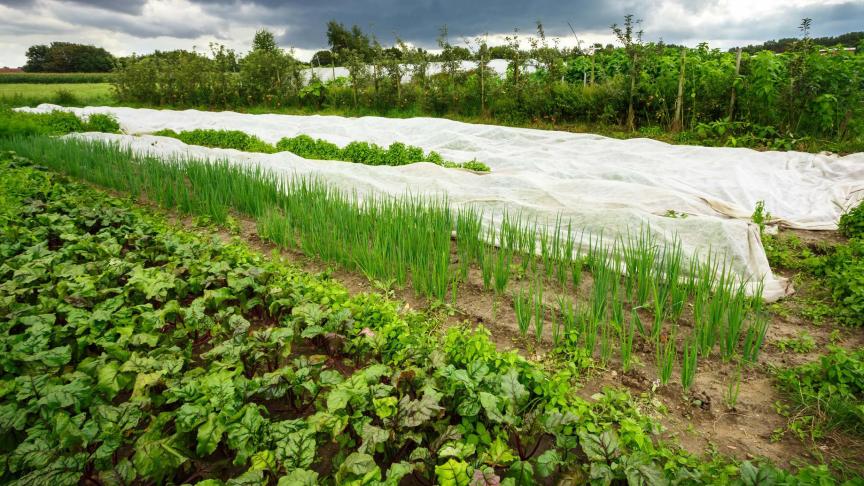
x=268, y=73
x=66, y=57
x=357, y=71
x=264, y=41
x=450, y=62
x=481, y=54
x=322, y=58
x=341, y=39
x=549, y=56
x=632, y=41
x=36, y=57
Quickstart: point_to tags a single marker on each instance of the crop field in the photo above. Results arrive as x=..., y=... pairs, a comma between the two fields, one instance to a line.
x=371, y=346
x=29, y=93
x=217, y=269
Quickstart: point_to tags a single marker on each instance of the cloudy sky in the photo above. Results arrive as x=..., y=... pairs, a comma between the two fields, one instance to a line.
x=126, y=26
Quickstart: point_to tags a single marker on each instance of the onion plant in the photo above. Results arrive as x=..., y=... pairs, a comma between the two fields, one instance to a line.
x=735, y=313
x=522, y=305
x=568, y=318
x=688, y=363
x=539, y=312
x=754, y=338
x=665, y=357
x=607, y=335
x=640, y=254
x=730, y=396
x=626, y=341
x=407, y=240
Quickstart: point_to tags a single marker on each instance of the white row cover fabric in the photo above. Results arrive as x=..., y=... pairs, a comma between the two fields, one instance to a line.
x=603, y=185
x=498, y=67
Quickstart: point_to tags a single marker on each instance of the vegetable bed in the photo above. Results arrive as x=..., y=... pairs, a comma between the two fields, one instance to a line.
x=137, y=353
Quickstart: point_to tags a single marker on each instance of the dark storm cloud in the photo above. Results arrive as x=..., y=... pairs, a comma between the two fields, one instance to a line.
x=134, y=26
x=419, y=22
x=122, y=6
x=302, y=23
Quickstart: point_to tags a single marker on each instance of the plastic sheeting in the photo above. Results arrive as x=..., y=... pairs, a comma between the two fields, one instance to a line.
x=604, y=186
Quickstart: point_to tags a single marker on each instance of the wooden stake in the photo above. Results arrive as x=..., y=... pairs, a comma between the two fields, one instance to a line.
x=737, y=71
x=679, y=100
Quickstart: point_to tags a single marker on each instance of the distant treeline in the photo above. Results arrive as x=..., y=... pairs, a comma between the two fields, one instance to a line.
x=850, y=39
x=67, y=57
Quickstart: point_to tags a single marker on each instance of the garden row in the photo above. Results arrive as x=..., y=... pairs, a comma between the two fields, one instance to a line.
x=59, y=122
x=407, y=241
x=53, y=123
x=317, y=149
x=137, y=353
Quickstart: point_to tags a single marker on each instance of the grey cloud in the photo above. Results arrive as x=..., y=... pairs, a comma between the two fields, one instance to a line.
x=419, y=22
x=124, y=6
x=304, y=22
x=827, y=20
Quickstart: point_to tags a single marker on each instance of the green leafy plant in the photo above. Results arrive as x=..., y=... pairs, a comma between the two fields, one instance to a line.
x=851, y=223
x=829, y=390
x=803, y=343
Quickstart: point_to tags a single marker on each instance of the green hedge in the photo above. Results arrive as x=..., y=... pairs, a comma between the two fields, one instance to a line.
x=55, y=78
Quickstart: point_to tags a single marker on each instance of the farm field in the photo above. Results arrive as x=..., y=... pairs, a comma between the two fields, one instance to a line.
x=618, y=374
x=23, y=94
x=596, y=251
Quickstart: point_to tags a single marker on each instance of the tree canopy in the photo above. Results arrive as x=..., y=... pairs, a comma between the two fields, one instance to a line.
x=67, y=57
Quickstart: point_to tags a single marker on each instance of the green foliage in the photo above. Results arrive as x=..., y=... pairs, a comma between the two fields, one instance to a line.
x=760, y=217
x=229, y=139
x=151, y=349
x=791, y=100
x=803, y=343
x=829, y=391
x=55, y=78
x=317, y=149
x=851, y=222
x=14, y=123
x=66, y=57
x=835, y=269
x=725, y=133
x=844, y=274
